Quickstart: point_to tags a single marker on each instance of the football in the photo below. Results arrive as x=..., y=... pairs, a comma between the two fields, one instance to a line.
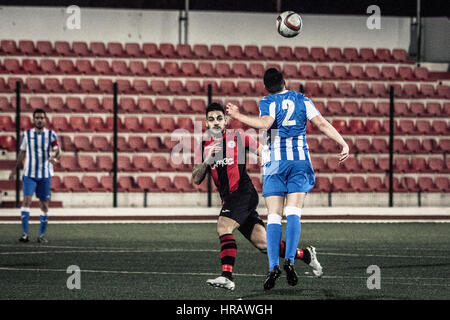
x=289, y=24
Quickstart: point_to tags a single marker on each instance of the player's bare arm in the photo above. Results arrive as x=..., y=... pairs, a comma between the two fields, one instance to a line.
x=326, y=128
x=199, y=170
x=19, y=162
x=264, y=122
x=55, y=156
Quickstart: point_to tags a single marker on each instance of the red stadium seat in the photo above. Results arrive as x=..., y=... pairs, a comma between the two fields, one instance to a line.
x=175, y=87
x=201, y=51
x=339, y=72
x=356, y=72
x=167, y=50
x=269, y=53
x=379, y=90
x=62, y=48
x=402, y=165
x=100, y=143
x=73, y=184
x=350, y=54
x=171, y=69
x=67, y=144
x=367, y=54
x=318, y=54
x=329, y=89
x=26, y=47
x=223, y=69
x=182, y=184
x=340, y=184
x=30, y=66
x=358, y=184
x=81, y=49
x=82, y=143
x=376, y=185
x=61, y=124
x=158, y=87
x=426, y=184
x=427, y=90
x=151, y=50
x=443, y=91
x=206, y=69
x=421, y=73
x=239, y=70
x=69, y=163
x=193, y=87
x=307, y=72
x=302, y=54
x=322, y=185
x=45, y=48
x=78, y=124
x=440, y=127
x=323, y=72
x=87, y=163
x=91, y=184
x=188, y=69
x=251, y=52
x=127, y=184
x=383, y=55
x=106, y=183
x=235, y=52
x=388, y=73
x=155, y=68
x=8, y=47
x=218, y=51
x=345, y=89
x=98, y=49
x=372, y=73
x=124, y=163
x=115, y=49
x=334, y=54
x=183, y=51
x=441, y=184
x=405, y=73
x=400, y=55
x=164, y=184
x=133, y=50
x=146, y=183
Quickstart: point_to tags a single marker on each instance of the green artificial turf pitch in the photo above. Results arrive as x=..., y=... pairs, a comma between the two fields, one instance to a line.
x=173, y=261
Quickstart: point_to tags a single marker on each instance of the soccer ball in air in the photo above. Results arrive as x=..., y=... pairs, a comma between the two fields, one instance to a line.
x=289, y=24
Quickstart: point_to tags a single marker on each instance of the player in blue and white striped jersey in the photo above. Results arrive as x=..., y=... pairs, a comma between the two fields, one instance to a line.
x=40, y=149
x=287, y=174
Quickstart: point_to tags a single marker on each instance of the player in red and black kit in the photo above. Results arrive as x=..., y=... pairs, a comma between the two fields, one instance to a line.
x=223, y=153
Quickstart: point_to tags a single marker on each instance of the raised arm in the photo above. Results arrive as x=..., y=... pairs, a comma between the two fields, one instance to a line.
x=326, y=128
x=199, y=170
x=264, y=122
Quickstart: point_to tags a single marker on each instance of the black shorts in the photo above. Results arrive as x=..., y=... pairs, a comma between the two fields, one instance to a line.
x=241, y=207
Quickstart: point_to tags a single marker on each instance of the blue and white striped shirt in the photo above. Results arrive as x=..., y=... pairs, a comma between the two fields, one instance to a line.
x=37, y=146
x=286, y=138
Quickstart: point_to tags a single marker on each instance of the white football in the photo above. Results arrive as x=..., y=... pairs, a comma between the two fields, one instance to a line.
x=289, y=24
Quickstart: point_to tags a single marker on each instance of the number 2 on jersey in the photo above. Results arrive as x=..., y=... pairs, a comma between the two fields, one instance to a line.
x=290, y=106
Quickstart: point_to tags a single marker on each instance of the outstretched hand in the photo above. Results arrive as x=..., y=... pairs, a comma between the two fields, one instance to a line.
x=344, y=153
x=232, y=110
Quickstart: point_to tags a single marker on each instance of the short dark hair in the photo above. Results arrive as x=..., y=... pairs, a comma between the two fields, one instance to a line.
x=214, y=106
x=39, y=111
x=273, y=80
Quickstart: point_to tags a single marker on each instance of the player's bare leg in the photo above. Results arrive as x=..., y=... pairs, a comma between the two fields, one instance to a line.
x=225, y=229
x=43, y=221
x=25, y=217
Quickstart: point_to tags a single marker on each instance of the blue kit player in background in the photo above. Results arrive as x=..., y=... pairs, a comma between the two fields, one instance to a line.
x=287, y=173
x=39, y=147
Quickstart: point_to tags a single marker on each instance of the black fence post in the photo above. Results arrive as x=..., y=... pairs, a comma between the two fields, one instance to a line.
x=391, y=147
x=115, y=129
x=208, y=178
x=17, y=143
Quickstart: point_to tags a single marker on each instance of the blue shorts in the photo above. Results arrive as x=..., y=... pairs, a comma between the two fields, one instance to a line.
x=287, y=176
x=40, y=186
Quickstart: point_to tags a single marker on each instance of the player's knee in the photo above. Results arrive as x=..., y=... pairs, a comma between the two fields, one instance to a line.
x=262, y=247
x=26, y=202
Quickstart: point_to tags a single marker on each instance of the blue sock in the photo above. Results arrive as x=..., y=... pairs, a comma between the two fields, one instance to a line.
x=43, y=226
x=25, y=216
x=293, y=229
x=273, y=236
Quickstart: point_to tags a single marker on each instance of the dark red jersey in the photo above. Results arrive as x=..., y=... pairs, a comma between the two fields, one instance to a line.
x=229, y=171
